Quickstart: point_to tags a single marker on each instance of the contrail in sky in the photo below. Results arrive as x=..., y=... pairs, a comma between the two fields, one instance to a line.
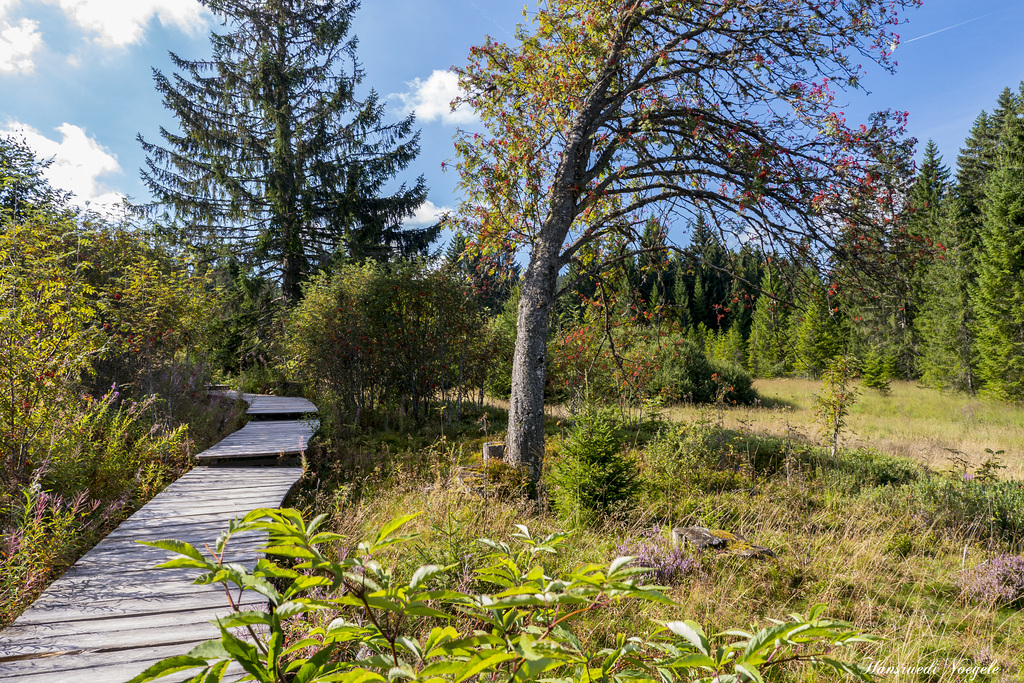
x=493, y=20
x=948, y=28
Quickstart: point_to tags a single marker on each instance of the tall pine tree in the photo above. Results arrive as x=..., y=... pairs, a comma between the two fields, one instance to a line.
x=948, y=322
x=999, y=297
x=277, y=159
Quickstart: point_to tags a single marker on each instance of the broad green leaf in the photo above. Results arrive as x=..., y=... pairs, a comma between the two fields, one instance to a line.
x=211, y=649
x=168, y=666
x=767, y=638
x=618, y=563
x=692, y=632
x=422, y=574
x=244, y=618
x=445, y=667
x=750, y=672
x=290, y=609
x=483, y=661
x=391, y=527
x=179, y=547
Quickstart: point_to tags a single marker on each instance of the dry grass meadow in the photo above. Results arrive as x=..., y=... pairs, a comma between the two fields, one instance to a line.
x=912, y=421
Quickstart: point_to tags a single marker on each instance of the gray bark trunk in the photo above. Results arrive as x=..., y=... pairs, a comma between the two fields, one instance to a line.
x=525, y=447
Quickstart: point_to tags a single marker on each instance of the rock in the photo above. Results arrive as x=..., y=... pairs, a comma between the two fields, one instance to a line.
x=717, y=539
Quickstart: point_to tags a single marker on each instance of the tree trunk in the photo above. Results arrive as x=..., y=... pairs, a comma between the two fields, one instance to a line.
x=525, y=447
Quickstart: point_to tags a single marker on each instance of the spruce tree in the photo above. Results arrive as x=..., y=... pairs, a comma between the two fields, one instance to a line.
x=943, y=322
x=769, y=347
x=277, y=159
x=999, y=297
x=948, y=323
x=816, y=334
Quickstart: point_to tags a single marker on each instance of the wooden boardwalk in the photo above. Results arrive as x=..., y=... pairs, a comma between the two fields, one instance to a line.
x=112, y=615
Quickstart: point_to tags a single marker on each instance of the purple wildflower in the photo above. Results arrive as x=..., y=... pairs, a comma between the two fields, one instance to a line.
x=998, y=581
x=669, y=565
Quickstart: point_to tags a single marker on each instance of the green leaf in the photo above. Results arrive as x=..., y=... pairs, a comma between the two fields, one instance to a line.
x=769, y=637
x=211, y=649
x=750, y=672
x=167, y=667
x=422, y=574
x=179, y=547
x=533, y=668
x=244, y=618
x=357, y=675
x=294, y=551
x=482, y=661
x=692, y=632
x=470, y=643
x=693, y=660
x=391, y=527
x=187, y=563
x=245, y=654
x=618, y=563
x=852, y=669
x=445, y=667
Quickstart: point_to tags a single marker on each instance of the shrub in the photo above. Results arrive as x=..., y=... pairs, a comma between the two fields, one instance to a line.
x=832, y=406
x=686, y=374
x=592, y=476
x=530, y=626
x=973, y=508
x=867, y=468
x=378, y=342
x=46, y=533
x=998, y=581
x=877, y=372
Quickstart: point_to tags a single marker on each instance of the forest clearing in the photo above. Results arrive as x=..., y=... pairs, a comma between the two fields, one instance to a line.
x=698, y=381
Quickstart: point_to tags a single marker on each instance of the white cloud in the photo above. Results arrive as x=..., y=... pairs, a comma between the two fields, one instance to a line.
x=117, y=23
x=78, y=162
x=428, y=214
x=17, y=43
x=431, y=99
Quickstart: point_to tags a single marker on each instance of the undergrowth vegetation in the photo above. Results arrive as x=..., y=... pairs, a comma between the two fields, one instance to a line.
x=923, y=558
x=102, y=402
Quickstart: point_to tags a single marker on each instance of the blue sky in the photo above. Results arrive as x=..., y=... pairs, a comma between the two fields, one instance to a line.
x=76, y=81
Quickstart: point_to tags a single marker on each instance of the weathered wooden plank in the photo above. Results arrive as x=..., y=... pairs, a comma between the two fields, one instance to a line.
x=262, y=439
x=266, y=404
x=61, y=632
x=71, y=593
x=263, y=404
x=104, y=665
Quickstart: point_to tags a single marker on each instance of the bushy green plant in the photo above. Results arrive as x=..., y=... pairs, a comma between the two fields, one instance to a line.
x=592, y=476
x=526, y=626
x=973, y=508
x=877, y=372
x=94, y=318
x=864, y=468
x=388, y=341
x=686, y=374
x=45, y=532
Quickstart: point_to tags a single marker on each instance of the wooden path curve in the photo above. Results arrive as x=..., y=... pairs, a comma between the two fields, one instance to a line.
x=112, y=614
